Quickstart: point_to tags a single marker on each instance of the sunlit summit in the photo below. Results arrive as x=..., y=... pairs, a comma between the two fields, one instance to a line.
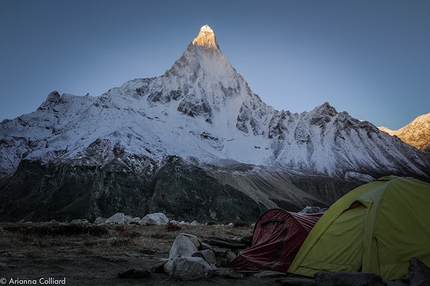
x=206, y=37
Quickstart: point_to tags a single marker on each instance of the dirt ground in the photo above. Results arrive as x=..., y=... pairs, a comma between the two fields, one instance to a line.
x=49, y=254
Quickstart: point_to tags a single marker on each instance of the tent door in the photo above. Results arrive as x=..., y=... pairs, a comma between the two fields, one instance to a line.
x=281, y=240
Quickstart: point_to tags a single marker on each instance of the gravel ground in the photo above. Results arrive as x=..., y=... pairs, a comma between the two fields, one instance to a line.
x=54, y=254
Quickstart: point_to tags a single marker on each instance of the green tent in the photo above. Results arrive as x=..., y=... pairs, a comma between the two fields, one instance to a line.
x=376, y=227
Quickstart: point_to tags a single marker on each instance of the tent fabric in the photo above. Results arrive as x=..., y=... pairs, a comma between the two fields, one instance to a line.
x=277, y=237
x=376, y=227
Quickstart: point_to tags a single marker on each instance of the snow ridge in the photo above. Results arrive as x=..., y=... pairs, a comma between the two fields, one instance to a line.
x=201, y=108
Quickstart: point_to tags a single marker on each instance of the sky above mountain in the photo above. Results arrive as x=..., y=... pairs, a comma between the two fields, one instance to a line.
x=369, y=58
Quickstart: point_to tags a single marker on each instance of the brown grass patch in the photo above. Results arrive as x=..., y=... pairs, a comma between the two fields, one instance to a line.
x=66, y=229
x=242, y=224
x=104, y=240
x=172, y=227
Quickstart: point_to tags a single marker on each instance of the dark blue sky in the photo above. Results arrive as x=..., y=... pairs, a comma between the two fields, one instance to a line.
x=369, y=58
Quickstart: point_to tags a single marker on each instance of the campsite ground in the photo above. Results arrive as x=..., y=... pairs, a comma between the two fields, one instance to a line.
x=94, y=255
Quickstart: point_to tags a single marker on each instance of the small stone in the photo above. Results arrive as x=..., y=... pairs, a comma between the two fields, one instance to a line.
x=220, y=251
x=230, y=255
x=419, y=273
x=264, y=274
x=134, y=274
x=221, y=261
x=348, y=279
x=100, y=220
x=228, y=273
x=158, y=267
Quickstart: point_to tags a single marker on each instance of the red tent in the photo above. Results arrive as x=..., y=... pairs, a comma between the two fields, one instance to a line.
x=278, y=236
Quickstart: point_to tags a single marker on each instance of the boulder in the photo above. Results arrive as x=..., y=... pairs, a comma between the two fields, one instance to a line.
x=207, y=255
x=348, y=279
x=118, y=218
x=197, y=242
x=154, y=219
x=224, y=256
x=395, y=283
x=190, y=268
x=182, y=247
x=225, y=242
x=311, y=210
x=206, y=246
x=135, y=220
x=100, y=220
x=186, y=262
x=419, y=273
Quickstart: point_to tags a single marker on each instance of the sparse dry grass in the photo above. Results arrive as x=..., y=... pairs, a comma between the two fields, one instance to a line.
x=37, y=239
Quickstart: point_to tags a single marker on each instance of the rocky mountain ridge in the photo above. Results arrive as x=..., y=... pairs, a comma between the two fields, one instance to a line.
x=193, y=142
x=416, y=133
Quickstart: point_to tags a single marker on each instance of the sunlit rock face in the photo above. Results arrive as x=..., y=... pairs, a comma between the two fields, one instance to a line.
x=206, y=38
x=416, y=133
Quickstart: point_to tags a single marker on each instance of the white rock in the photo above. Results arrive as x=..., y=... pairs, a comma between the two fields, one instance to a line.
x=311, y=210
x=208, y=256
x=118, y=218
x=194, y=239
x=182, y=247
x=79, y=221
x=155, y=219
x=190, y=268
x=128, y=219
x=135, y=220
x=100, y=220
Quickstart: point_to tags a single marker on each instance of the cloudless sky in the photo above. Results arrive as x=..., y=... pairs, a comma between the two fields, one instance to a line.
x=370, y=58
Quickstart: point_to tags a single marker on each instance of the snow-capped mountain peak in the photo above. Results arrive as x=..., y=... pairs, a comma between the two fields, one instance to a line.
x=202, y=108
x=206, y=38
x=205, y=68
x=141, y=142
